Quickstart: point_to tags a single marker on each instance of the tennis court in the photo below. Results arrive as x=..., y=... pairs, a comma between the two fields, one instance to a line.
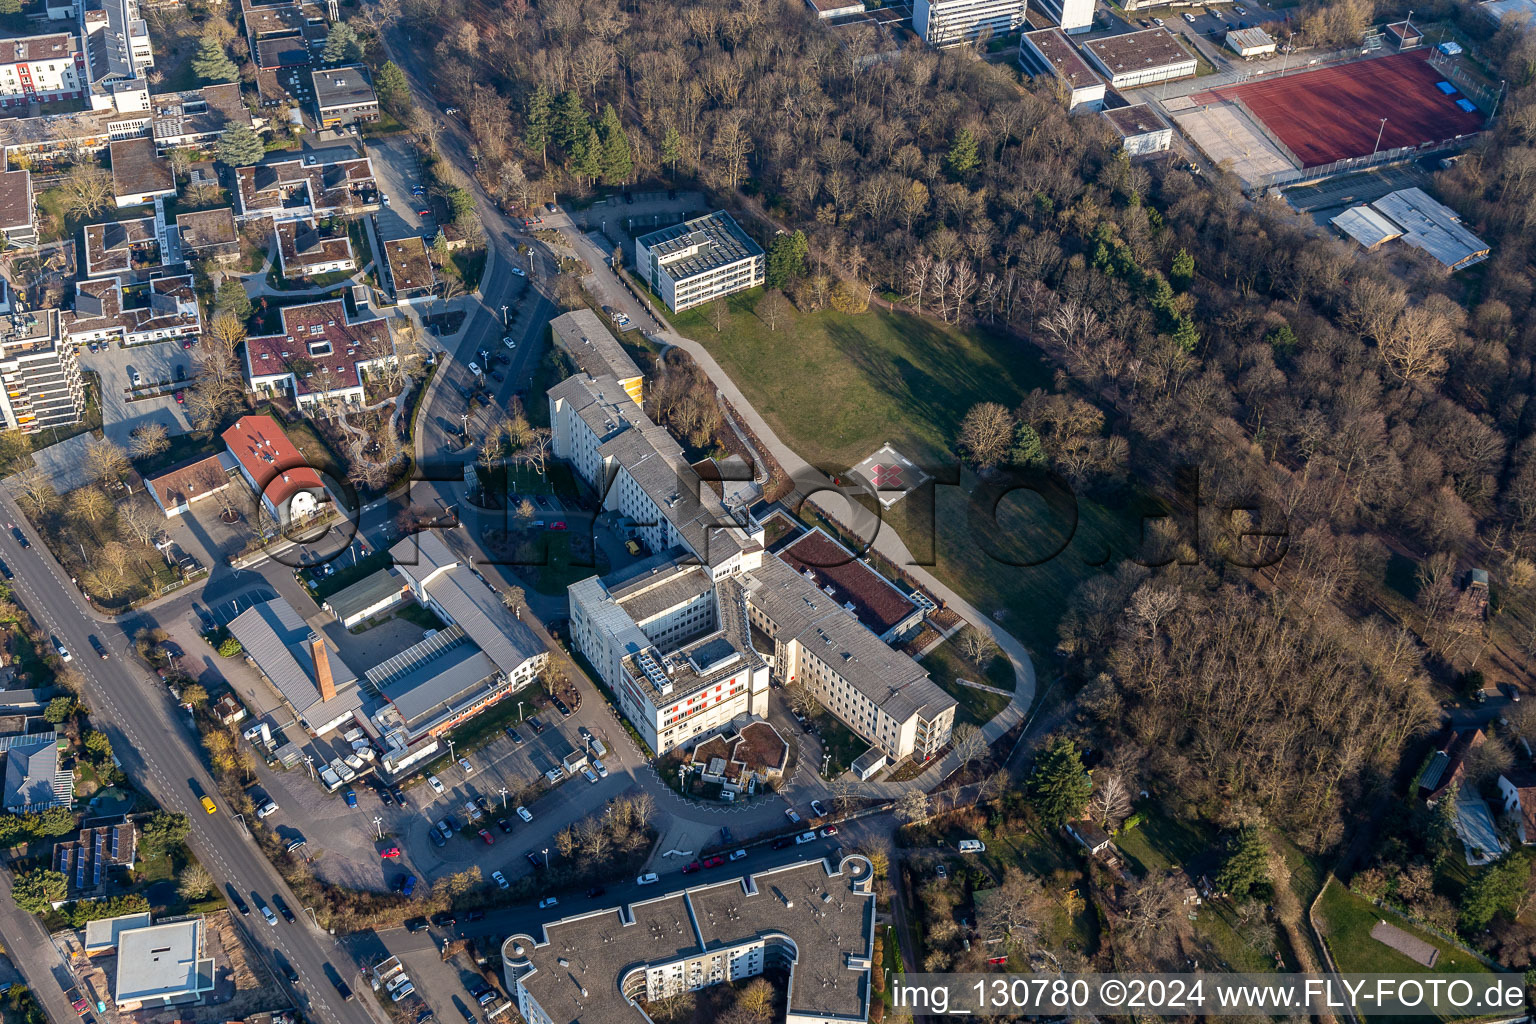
x=1335, y=113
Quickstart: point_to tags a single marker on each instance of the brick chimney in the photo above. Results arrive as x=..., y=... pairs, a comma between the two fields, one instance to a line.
x=323, y=678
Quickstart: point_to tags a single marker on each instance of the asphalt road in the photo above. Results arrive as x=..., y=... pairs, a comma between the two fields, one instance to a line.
x=155, y=742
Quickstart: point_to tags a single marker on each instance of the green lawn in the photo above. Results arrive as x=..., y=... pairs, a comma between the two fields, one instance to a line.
x=946, y=665
x=1346, y=921
x=834, y=387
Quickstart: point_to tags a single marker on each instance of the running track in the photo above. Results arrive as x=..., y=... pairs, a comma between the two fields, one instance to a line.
x=1335, y=112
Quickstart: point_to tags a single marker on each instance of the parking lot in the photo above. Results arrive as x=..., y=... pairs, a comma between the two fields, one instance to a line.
x=153, y=363
x=398, y=169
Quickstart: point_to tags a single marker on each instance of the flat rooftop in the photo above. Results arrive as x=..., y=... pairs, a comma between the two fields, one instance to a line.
x=342, y=87
x=1063, y=58
x=162, y=961
x=1135, y=120
x=1139, y=51
x=574, y=968
x=700, y=245
x=874, y=600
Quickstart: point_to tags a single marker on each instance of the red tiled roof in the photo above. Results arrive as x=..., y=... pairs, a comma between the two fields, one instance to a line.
x=266, y=454
x=321, y=333
x=182, y=484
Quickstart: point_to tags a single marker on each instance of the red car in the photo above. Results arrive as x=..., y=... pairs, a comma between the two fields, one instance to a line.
x=390, y=853
x=691, y=867
x=714, y=862
x=186, y=344
x=181, y=398
x=557, y=526
x=829, y=832
x=490, y=840
x=423, y=213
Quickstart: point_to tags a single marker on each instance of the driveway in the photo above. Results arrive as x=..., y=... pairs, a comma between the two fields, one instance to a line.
x=155, y=362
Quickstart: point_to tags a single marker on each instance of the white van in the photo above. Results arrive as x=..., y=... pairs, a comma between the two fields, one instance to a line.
x=972, y=846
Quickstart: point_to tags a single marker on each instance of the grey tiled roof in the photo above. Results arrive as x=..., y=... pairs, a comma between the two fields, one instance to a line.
x=277, y=640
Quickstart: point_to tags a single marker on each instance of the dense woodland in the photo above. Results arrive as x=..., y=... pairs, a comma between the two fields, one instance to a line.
x=1374, y=408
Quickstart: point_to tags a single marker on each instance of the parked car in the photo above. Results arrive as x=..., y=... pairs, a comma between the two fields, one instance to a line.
x=649, y=878
x=533, y=859
x=941, y=871
x=351, y=798
x=485, y=834
x=691, y=867
x=522, y=812
x=519, y=271
x=390, y=852
x=500, y=880
x=714, y=862
x=782, y=841
x=589, y=775
x=600, y=768
x=549, y=901
x=504, y=825
x=594, y=892
x=805, y=837
x=817, y=809
x=538, y=726
x=416, y=924
x=437, y=787
x=737, y=855
x=270, y=807
x=828, y=831
x=444, y=920
x=514, y=735
x=445, y=828
x=792, y=815
x=972, y=846
x=408, y=886
x=560, y=706
x=394, y=791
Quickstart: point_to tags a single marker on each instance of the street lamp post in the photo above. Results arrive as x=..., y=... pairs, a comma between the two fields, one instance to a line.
x=503, y=797
x=378, y=825
x=311, y=912
x=1379, y=132
x=546, y=858
x=519, y=712
x=450, y=750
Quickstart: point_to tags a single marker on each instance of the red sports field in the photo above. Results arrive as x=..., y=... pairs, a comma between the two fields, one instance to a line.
x=1335, y=112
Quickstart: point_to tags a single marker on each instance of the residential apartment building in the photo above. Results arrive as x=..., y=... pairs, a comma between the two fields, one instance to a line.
x=321, y=356
x=116, y=44
x=296, y=190
x=305, y=250
x=41, y=69
x=691, y=263
x=950, y=22
x=165, y=308
x=672, y=639
x=41, y=378
x=18, y=212
x=344, y=95
x=811, y=920
x=1142, y=129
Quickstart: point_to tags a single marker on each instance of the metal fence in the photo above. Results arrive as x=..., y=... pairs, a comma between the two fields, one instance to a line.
x=1263, y=128
x=1481, y=93
x=1358, y=163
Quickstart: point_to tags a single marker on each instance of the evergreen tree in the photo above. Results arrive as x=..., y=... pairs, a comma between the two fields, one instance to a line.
x=1247, y=865
x=1183, y=270
x=342, y=45
x=1027, y=449
x=536, y=133
x=963, y=158
x=231, y=299
x=1059, y=787
x=239, y=146
x=1497, y=890
x=618, y=162
x=568, y=123
x=59, y=709
x=163, y=831
x=394, y=91
x=1185, y=335
x=786, y=259
x=36, y=891
x=212, y=64
x=586, y=160
x=672, y=147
